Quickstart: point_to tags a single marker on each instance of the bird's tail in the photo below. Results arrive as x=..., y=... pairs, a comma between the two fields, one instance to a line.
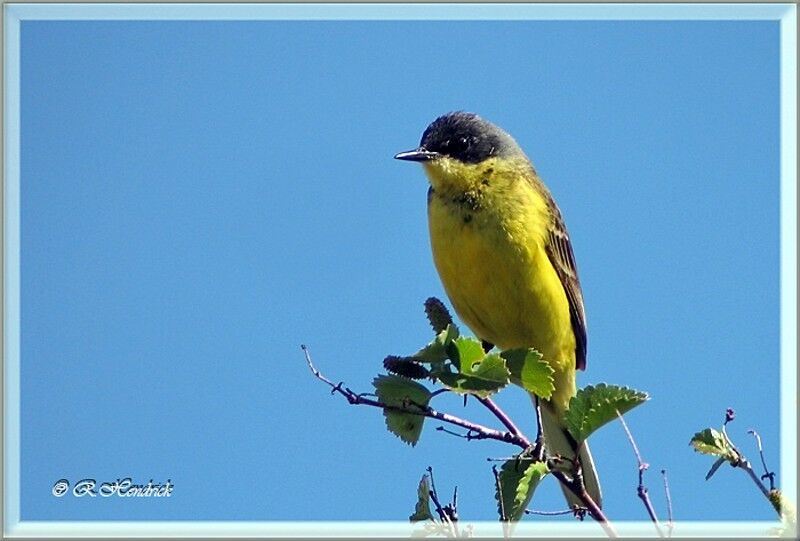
x=559, y=442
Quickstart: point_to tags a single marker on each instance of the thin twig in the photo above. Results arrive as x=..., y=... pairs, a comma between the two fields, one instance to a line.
x=641, y=490
x=576, y=484
x=468, y=436
x=767, y=473
x=444, y=516
x=539, y=429
x=578, y=511
x=434, y=495
x=482, y=432
x=538, y=448
x=577, y=487
x=538, y=451
x=746, y=466
x=501, y=415
x=671, y=523
x=741, y=460
x=642, y=464
x=730, y=415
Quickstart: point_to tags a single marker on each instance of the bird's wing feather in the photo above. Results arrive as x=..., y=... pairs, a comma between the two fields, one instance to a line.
x=559, y=251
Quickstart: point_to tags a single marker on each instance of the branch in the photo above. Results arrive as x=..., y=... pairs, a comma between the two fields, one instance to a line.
x=501, y=416
x=479, y=431
x=641, y=490
x=746, y=466
x=741, y=461
x=447, y=514
x=475, y=431
x=576, y=484
x=579, y=489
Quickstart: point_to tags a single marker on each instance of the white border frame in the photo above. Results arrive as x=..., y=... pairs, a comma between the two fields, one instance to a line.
x=14, y=14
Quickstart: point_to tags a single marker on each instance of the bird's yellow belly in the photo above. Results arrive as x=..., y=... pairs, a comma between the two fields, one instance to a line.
x=499, y=278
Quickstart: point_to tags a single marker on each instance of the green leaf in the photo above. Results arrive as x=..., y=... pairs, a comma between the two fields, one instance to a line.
x=491, y=368
x=518, y=480
x=530, y=371
x=422, y=511
x=404, y=393
x=476, y=373
x=437, y=313
x=712, y=442
x=465, y=351
x=595, y=405
x=436, y=351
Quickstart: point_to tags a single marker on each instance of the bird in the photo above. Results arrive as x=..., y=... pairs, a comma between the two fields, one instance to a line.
x=505, y=259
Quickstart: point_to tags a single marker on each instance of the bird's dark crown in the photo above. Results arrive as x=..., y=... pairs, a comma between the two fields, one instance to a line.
x=468, y=138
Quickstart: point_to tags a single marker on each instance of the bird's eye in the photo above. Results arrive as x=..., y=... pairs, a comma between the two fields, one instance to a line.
x=454, y=146
x=458, y=145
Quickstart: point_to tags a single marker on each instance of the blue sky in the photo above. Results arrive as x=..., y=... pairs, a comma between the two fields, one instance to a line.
x=200, y=198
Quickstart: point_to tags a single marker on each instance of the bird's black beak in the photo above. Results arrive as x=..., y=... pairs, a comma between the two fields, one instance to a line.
x=417, y=155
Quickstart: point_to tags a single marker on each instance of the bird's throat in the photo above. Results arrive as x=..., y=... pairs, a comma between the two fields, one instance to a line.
x=450, y=177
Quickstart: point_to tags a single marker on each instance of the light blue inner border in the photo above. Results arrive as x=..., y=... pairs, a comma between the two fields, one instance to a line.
x=14, y=14
x=788, y=380
x=402, y=11
x=11, y=264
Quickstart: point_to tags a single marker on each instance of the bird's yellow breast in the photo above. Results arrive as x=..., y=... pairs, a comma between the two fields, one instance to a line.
x=488, y=227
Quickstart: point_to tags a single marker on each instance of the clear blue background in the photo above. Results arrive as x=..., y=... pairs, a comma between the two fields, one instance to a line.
x=200, y=198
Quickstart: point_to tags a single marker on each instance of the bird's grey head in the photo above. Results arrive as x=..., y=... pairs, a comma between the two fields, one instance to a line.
x=468, y=138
